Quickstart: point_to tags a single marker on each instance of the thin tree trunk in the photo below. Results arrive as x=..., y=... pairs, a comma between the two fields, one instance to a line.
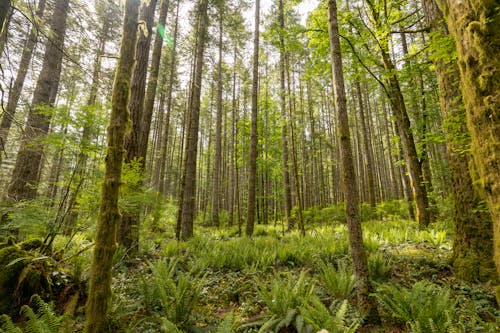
x=366, y=302
x=188, y=182
x=170, y=88
x=252, y=174
x=287, y=193
x=109, y=214
x=216, y=192
x=152, y=85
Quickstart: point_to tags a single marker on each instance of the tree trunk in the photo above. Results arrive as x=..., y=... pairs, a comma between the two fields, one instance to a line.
x=252, y=174
x=287, y=192
x=152, y=84
x=366, y=303
x=171, y=79
x=17, y=88
x=25, y=178
x=109, y=214
x=216, y=193
x=4, y=12
x=188, y=182
x=367, y=147
x=128, y=231
x=474, y=26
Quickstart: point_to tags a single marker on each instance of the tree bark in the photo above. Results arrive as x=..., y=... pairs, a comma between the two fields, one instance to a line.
x=25, y=177
x=188, y=182
x=152, y=85
x=128, y=231
x=171, y=79
x=4, y=12
x=287, y=192
x=366, y=303
x=252, y=174
x=474, y=26
x=17, y=88
x=109, y=214
x=216, y=193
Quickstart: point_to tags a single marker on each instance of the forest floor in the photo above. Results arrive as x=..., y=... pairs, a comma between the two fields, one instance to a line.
x=277, y=281
x=282, y=282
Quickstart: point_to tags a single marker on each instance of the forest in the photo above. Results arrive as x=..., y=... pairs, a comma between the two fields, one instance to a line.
x=283, y=166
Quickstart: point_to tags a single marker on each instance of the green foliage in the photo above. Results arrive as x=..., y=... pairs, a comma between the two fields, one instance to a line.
x=379, y=267
x=333, y=319
x=339, y=282
x=284, y=299
x=7, y=326
x=29, y=217
x=176, y=292
x=425, y=307
x=40, y=318
x=393, y=209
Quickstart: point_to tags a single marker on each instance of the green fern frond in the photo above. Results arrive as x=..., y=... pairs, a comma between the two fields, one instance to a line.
x=7, y=326
x=41, y=320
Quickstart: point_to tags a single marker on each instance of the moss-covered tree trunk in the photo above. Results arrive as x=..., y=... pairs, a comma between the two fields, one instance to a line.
x=473, y=243
x=25, y=176
x=188, y=182
x=109, y=215
x=474, y=26
x=366, y=303
x=128, y=231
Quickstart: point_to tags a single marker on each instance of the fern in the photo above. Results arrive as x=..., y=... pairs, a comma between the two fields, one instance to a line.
x=227, y=324
x=284, y=300
x=338, y=282
x=425, y=307
x=177, y=293
x=43, y=319
x=320, y=317
x=7, y=326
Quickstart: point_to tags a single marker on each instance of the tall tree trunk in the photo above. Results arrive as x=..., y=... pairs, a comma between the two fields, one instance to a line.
x=393, y=90
x=474, y=26
x=152, y=84
x=188, y=182
x=232, y=151
x=216, y=193
x=128, y=231
x=25, y=178
x=170, y=88
x=366, y=303
x=287, y=192
x=109, y=214
x=17, y=88
x=252, y=174
x=367, y=147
